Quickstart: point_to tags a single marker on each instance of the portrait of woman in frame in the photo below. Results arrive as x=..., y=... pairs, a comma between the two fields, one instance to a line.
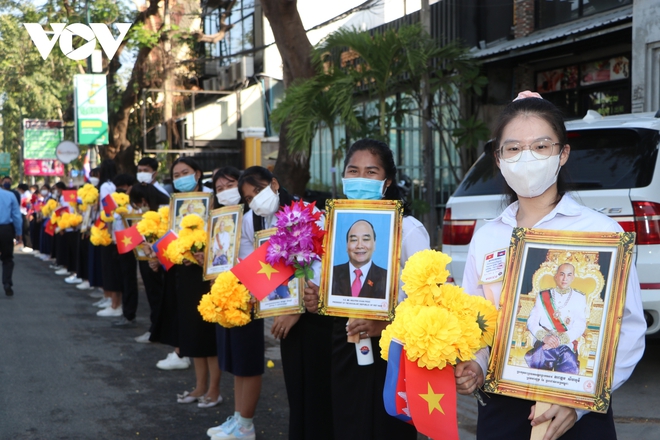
x=287, y=298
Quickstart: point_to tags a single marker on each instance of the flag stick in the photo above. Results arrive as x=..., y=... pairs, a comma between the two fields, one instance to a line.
x=538, y=431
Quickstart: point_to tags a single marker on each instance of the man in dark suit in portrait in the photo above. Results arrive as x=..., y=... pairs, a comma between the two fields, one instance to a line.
x=360, y=276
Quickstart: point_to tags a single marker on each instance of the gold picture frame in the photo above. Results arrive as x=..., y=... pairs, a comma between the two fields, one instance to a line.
x=182, y=204
x=129, y=220
x=273, y=305
x=569, y=287
x=222, y=250
x=377, y=291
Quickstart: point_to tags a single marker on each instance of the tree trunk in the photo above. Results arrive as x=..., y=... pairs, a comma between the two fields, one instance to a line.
x=292, y=169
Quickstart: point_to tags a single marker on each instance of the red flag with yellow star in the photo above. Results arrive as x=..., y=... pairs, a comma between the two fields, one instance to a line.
x=259, y=277
x=432, y=400
x=70, y=196
x=128, y=239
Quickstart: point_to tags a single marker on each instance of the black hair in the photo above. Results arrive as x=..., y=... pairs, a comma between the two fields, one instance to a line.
x=544, y=110
x=384, y=153
x=60, y=185
x=23, y=186
x=149, y=162
x=6, y=177
x=154, y=197
x=123, y=180
x=261, y=177
x=192, y=163
x=45, y=186
x=361, y=220
x=95, y=172
x=229, y=173
x=107, y=171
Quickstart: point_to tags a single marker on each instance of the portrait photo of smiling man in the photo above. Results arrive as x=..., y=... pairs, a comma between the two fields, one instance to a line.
x=360, y=276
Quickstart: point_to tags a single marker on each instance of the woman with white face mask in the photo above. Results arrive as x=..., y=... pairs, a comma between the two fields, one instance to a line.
x=531, y=149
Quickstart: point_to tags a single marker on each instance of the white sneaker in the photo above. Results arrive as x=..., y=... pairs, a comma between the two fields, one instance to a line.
x=84, y=285
x=144, y=339
x=44, y=257
x=103, y=303
x=36, y=254
x=239, y=432
x=109, y=311
x=62, y=271
x=225, y=429
x=95, y=293
x=173, y=362
x=27, y=250
x=73, y=279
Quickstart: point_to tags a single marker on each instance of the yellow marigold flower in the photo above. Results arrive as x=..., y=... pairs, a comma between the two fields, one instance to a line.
x=121, y=210
x=120, y=199
x=228, y=303
x=192, y=221
x=423, y=273
x=106, y=218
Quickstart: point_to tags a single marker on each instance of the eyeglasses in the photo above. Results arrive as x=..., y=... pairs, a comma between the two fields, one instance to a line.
x=512, y=151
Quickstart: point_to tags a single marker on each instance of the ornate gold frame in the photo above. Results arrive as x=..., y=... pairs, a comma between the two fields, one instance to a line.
x=260, y=237
x=189, y=196
x=378, y=312
x=129, y=220
x=596, y=347
x=236, y=209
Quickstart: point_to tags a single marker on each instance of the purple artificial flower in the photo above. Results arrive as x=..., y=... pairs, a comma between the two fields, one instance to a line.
x=277, y=249
x=292, y=215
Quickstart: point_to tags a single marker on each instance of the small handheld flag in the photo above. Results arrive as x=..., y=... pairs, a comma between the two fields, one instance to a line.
x=108, y=204
x=128, y=239
x=259, y=277
x=161, y=246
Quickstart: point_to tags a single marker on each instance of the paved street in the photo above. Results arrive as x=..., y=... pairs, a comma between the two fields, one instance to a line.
x=66, y=374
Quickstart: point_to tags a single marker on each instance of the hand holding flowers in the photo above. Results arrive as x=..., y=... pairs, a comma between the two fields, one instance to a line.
x=192, y=239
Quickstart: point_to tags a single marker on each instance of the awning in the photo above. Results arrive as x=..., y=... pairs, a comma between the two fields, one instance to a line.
x=610, y=21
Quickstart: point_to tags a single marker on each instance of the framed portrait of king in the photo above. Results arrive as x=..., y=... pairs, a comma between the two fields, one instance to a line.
x=182, y=204
x=562, y=298
x=286, y=299
x=361, y=266
x=224, y=232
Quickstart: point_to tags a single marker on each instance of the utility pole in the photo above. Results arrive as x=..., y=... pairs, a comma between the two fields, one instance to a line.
x=168, y=86
x=431, y=219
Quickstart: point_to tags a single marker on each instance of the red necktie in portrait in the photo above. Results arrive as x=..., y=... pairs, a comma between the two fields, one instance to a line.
x=357, y=284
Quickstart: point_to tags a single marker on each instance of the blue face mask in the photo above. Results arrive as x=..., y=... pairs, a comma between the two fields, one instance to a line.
x=6, y=185
x=185, y=183
x=359, y=188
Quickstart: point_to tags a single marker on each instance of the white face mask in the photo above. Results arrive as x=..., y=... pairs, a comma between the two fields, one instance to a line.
x=94, y=181
x=530, y=177
x=145, y=177
x=229, y=197
x=44, y=192
x=265, y=203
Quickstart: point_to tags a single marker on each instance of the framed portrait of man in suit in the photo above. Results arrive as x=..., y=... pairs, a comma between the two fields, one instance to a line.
x=361, y=267
x=563, y=294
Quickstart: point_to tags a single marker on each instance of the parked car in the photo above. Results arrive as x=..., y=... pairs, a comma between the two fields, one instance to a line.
x=613, y=169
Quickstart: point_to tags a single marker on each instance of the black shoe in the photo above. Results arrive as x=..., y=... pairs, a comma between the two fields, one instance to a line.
x=123, y=322
x=9, y=291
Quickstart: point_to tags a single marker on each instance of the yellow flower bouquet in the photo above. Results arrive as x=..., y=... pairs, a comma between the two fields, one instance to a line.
x=122, y=201
x=192, y=238
x=89, y=195
x=438, y=324
x=100, y=236
x=149, y=226
x=228, y=302
x=68, y=220
x=49, y=207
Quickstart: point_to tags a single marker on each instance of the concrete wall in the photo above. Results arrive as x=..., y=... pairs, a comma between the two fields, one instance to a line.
x=646, y=56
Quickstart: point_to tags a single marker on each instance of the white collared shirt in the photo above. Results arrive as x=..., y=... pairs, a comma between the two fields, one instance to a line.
x=364, y=269
x=570, y=216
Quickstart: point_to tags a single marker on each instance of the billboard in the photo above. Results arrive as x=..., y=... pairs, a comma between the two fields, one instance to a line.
x=42, y=167
x=91, y=101
x=41, y=137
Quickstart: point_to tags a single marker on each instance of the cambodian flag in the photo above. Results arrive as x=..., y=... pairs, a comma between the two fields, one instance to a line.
x=394, y=391
x=161, y=246
x=108, y=204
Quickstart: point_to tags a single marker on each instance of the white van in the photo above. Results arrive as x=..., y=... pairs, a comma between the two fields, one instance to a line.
x=613, y=168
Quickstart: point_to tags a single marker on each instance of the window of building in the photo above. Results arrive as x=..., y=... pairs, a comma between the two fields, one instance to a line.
x=554, y=12
x=602, y=85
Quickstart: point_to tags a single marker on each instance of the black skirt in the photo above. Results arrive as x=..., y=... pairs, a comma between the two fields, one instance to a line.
x=357, y=394
x=112, y=276
x=196, y=336
x=241, y=349
x=165, y=327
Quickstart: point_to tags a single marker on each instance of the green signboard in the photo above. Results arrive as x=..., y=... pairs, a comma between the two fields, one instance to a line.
x=5, y=164
x=40, y=138
x=91, y=109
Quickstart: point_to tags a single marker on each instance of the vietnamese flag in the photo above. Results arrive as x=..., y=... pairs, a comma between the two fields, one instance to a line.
x=99, y=223
x=259, y=277
x=62, y=210
x=49, y=227
x=108, y=204
x=432, y=400
x=70, y=196
x=161, y=246
x=128, y=239
x=394, y=391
